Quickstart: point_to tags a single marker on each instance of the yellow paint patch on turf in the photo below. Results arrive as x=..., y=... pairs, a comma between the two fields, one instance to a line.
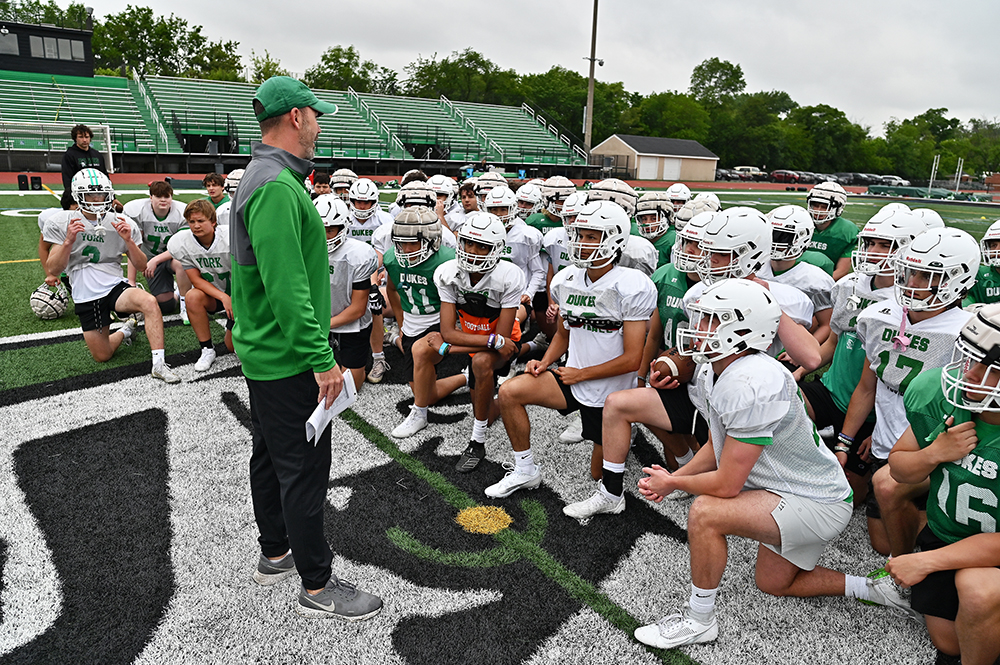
x=484, y=519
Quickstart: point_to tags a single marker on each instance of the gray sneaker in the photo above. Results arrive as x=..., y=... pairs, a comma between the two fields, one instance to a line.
x=339, y=600
x=271, y=572
x=379, y=368
x=163, y=372
x=883, y=591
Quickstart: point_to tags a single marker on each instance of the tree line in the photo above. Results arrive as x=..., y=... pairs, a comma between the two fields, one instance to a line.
x=767, y=128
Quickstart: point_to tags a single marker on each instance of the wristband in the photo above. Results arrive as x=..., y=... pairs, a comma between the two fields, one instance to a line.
x=644, y=379
x=841, y=449
x=443, y=351
x=844, y=441
x=495, y=342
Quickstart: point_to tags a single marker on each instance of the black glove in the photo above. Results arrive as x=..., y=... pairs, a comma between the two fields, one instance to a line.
x=375, y=300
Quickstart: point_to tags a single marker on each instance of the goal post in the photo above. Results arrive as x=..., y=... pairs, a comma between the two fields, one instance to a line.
x=53, y=137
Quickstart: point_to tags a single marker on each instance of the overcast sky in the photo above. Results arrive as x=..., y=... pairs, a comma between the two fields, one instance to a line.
x=873, y=60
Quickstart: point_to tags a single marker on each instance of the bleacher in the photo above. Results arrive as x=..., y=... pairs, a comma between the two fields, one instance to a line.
x=520, y=136
x=43, y=98
x=423, y=122
x=206, y=107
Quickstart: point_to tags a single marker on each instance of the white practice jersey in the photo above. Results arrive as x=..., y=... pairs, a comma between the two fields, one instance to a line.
x=155, y=232
x=640, y=254
x=930, y=346
x=364, y=230
x=351, y=263
x=95, y=260
x=807, y=278
x=851, y=295
x=555, y=245
x=44, y=216
x=479, y=306
x=455, y=218
x=524, y=249
x=795, y=304
x=595, y=314
x=756, y=400
x=212, y=262
x=222, y=213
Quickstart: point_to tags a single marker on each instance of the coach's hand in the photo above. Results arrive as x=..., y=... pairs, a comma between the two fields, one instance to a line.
x=330, y=383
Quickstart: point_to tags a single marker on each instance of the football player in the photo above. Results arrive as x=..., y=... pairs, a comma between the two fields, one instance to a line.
x=603, y=310
x=554, y=192
x=487, y=182
x=764, y=475
x=912, y=333
x=481, y=294
x=654, y=218
x=416, y=253
x=352, y=264
x=215, y=185
x=159, y=217
x=987, y=287
x=232, y=182
x=66, y=202
x=341, y=181
x=529, y=200
x=202, y=249
x=953, y=444
x=321, y=184
x=679, y=194
x=88, y=244
x=834, y=236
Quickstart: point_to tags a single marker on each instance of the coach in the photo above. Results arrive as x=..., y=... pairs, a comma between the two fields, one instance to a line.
x=281, y=302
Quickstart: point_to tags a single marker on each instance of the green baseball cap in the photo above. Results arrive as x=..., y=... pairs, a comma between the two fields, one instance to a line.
x=280, y=94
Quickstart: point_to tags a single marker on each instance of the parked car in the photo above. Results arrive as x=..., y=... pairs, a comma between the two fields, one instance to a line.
x=827, y=177
x=784, y=175
x=726, y=174
x=845, y=178
x=806, y=176
x=754, y=172
x=894, y=181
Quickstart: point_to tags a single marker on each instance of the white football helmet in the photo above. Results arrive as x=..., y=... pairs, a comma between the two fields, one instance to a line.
x=487, y=230
x=48, y=302
x=893, y=222
x=826, y=202
x=654, y=213
x=571, y=208
x=711, y=198
x=444, y=186
x=233, y=181
x=619, y=191
x=731, y=316
x=529, y=200
x=416, y=193
x=978, y=342
x=931, y=218
x=941, y=262
x=363, y=189
x=416, y=224
x=93, y=183
x=679, y=194
x=743, y=234
x=689, y=211
x=610, y=219
x=791, y=230
x=341, y=181
x=501, y=202
x=334, y=212
x=990, y=245
x=687, y=255
x=486, y=182
x=554, y=192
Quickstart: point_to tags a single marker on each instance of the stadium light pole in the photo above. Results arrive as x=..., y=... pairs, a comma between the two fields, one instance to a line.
x=589, y=126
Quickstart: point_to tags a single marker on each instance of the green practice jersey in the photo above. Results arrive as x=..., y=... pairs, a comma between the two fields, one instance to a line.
x=987, y=287
x=542, y=222
x=418, y=294
x=671, y=285
x=836, y=241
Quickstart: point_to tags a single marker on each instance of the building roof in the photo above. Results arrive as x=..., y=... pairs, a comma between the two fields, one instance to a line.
x=654, y=145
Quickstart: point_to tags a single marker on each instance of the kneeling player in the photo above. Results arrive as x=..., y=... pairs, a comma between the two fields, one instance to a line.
x=481, y=293
x=90, y=253
x=602, y=323
x=203, y=251
x=410, y=263
x=765, y=475
x=954, y=440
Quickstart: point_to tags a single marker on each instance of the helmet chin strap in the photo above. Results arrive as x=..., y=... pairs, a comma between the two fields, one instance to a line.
x=901, y=341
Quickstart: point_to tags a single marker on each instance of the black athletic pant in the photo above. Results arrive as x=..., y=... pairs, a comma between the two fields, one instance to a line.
x=289, y=476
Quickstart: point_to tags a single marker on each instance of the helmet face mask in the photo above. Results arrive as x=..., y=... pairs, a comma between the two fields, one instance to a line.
x=971, y=381
x=736, y=244
x=990, y=245
x=571, y=207
x=555, y=191
x=481, y=240
x=93, y=192
x=687, y=245
x=444, y=188
x=500, y=201
x=894, y=224
x=233, y=181
x=679, y=194
x=416, y=193
x=654, y=215
x=364, y=192
x=598, y=235
x=791, y=230
x=936, y=270
x=335, y=215
x=826, y=202
x=419, y=226
x=730, y=317
x=529, y=200
x=341, y=181
x=874, y=256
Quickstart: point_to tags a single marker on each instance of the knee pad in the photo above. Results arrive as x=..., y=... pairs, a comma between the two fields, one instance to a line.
x=168, y=307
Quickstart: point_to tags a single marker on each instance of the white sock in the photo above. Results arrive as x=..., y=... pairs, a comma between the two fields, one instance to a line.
x=420, y=411
x=126, y=332
x=479, y=431
x=702, y=601
x=855, y=587
x=524, y=460
x=614, y=467
x=159, y=357
x=378, y=356
x=685, y=458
